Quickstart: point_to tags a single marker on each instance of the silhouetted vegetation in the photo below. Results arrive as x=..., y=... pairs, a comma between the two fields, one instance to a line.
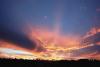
x=45, y=62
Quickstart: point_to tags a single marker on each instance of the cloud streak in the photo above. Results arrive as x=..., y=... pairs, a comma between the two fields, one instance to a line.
x=16, y=37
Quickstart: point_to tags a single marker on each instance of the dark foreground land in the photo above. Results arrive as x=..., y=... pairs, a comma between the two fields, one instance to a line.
x=42, y=63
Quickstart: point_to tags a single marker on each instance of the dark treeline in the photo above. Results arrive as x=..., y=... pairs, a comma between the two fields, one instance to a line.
x=45, y=62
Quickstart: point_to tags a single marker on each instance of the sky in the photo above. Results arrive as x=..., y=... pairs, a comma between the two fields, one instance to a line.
x=76, y=16
x=72, y=16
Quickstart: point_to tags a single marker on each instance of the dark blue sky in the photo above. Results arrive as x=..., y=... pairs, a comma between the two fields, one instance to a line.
x=76, y=16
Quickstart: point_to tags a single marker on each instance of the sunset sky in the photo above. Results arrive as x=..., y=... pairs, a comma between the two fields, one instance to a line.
x=70, y=17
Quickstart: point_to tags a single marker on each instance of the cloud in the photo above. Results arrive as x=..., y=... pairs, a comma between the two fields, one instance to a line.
x=16, y=37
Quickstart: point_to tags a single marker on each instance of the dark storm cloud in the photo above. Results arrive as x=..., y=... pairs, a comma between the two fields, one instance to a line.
x=17, y=38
